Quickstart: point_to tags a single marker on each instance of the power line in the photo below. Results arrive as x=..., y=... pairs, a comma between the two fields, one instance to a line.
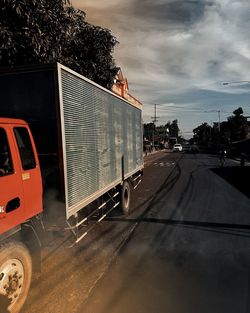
x=197, y=111
x=190, y=109
x=180, y=107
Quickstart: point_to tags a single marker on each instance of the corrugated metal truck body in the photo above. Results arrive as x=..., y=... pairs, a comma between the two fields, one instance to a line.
x=93, y=136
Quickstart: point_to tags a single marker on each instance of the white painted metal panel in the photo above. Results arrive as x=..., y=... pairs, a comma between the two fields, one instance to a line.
x=99, y=130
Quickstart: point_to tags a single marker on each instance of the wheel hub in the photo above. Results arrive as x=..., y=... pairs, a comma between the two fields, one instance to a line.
x=11, y=279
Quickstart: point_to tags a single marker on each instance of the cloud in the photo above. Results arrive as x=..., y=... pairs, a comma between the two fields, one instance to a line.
x=172, y=12
x=171, y=51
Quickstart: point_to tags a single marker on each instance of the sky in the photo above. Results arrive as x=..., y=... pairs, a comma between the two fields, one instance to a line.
x=178, y=53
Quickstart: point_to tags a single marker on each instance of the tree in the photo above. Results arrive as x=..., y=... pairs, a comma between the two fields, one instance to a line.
x=238, y=112
x=238, y=125
x=48, y=31
x=202, y=134
x=174, y=129
x=32, y=31
x=149, y=131
x=90, y=50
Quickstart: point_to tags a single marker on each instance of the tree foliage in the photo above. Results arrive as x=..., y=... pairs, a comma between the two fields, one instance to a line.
x=202, y=133
x=48, y=31
x=174, y=129
x=233, y=130
x=148, y=130
x=238, y=112
x=238, y=125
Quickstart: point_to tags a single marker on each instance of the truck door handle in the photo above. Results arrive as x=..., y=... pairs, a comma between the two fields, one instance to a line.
x=13, y=205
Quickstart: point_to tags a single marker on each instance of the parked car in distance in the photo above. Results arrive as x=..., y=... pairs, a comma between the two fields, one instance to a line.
x=177, y=147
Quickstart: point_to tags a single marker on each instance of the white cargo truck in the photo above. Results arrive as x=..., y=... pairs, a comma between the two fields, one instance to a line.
x=61, y=132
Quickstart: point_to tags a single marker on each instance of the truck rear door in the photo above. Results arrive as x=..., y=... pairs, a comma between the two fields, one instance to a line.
x=12, y=208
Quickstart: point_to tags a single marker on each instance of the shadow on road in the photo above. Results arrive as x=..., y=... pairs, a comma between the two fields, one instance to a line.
x=242, y=230
x=237, y=176
x=222, y=227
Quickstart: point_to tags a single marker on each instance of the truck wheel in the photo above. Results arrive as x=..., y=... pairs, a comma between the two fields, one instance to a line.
x=15, y=275
x=125, y=197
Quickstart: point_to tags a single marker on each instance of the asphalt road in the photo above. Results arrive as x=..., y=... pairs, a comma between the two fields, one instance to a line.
x=184, y=248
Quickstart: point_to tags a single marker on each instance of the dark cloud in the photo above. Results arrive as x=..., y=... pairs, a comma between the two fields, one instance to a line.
x=172, y=11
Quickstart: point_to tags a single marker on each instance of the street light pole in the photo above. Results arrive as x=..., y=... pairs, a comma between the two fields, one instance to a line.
x=237, y=82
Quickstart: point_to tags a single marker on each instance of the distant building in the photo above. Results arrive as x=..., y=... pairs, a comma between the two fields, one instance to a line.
x=120, y=88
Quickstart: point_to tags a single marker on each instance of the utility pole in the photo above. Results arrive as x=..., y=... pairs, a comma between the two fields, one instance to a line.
x=219, y=119
x=154, y=120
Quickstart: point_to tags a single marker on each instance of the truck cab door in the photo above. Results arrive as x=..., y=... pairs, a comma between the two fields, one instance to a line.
x=12, y=208
x=31, y=174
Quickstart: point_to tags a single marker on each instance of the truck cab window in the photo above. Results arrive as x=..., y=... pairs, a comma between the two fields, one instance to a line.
x=25, y=148
x=6, y=166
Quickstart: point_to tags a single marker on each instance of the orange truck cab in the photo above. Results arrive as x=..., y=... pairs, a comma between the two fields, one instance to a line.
x=20, y=176
x=20, y=200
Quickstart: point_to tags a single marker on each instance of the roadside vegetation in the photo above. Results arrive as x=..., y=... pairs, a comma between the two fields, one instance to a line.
x=232, y=135
x=42, y=31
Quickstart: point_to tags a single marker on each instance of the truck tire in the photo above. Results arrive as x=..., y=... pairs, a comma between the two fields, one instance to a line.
x=125, y=195
x=15, y=276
